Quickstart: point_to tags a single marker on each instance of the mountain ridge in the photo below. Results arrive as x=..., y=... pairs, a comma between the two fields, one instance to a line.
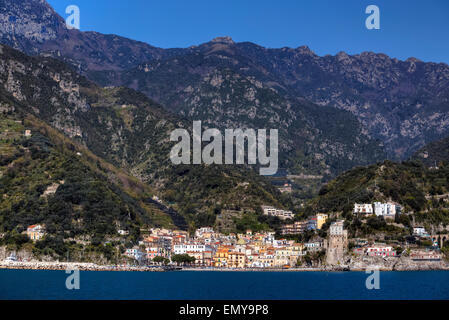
x=333, y=112
x=404, y=104
x=130, y=131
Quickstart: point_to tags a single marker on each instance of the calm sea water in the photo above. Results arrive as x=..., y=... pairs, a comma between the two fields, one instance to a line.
x=184, y=285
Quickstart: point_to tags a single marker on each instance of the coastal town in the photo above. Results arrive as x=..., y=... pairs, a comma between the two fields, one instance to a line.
x=264, y=250
x=270, y=250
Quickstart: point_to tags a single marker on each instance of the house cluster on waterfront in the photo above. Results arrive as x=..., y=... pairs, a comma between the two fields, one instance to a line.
x=323, y=235
x=214, y=249
x=261, y=249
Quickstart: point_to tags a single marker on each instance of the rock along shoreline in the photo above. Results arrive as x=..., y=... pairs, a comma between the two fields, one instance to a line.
x=72, y=266
x=358, y=266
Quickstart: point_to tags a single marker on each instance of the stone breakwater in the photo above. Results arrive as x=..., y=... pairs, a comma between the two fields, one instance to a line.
x=394, y=264
x=38, y=265
x=71, y=266
x=352, y=264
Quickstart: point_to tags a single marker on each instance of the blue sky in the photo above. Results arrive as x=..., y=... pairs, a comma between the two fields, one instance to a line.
x=409, y=28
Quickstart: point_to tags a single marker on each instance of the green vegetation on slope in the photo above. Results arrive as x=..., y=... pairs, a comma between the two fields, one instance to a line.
x=48, y=179
x=125, y=128
x=434, y=153
x=420, y=190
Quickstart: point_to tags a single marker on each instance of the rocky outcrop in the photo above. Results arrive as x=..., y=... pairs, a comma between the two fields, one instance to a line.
x=407, y=264
x=363, y=263
x=33, y=27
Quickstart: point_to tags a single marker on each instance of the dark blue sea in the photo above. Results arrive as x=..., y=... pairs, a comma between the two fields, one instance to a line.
x=185, y=285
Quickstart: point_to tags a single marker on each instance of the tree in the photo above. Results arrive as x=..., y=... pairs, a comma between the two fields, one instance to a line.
x=182, y=259
x=307, y=259
x=160, y=260
x=398, y=250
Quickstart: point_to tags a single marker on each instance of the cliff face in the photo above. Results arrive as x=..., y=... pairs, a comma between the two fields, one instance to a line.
x=218, y=84
x=402, y=103
x=27, y=24
x=407, y=264
x=33, y=27
x=405, y=104
x=128, y=130
x=329, y=110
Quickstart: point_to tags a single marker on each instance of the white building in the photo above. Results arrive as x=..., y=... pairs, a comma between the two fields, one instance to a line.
x=420, y=231
x=337, y=228
x=134, y=253
x=385, y=209
x=186, y=247
x=204, y=230
x=313, y=246
x=156, y=198
x=363, y=208
x=280, y=243
x=281, y=214
x=380, y=250
x=268, y=238
x=123, y=232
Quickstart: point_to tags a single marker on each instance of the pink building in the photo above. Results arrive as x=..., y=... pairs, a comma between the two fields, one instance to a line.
x=381, y=251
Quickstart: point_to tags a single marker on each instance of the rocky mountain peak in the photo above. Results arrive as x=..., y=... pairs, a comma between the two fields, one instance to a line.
x=28, y=20
x=33, y=27
x=402, y=103
x=305, y=50
x=225, y=39
x=343, y=57
x=413, y=59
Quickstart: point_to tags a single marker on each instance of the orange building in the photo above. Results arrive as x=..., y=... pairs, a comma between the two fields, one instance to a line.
x=36, y=232
x=221, y=256
x=236, y=260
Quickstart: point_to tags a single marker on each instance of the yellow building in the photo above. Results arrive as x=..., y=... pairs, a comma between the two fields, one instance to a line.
x=36, y=232
x=321, y=219
x=298, y=246
x=236, y=260
x=241, y=241
x=281, y=257
x=221, y=257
